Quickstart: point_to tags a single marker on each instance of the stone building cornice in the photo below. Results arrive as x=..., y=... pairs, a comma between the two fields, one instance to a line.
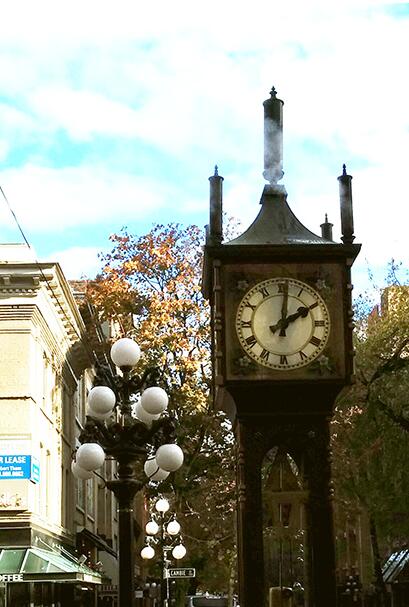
x=35, y=290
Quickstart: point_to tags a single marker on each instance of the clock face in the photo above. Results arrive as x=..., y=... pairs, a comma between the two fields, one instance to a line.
x=282, y=323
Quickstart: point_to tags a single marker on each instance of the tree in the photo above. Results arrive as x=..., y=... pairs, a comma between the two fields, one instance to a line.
x=150, y=286
x=370, y=426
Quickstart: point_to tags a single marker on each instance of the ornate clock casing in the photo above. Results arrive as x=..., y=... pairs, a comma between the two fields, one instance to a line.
x=287, y=323
x=281, y=322
x=282, y=311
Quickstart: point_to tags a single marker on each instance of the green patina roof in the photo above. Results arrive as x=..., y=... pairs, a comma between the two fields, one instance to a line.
x=39, y=562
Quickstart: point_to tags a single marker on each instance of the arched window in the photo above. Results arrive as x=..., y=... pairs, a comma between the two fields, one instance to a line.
x=283, y=497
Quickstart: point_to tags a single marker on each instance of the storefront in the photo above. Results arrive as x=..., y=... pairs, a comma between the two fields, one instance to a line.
x=34, y=576
x=396, y=577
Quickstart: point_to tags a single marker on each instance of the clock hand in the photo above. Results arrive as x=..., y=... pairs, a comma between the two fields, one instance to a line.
x=284, y=307
x=283, y=323
x=302, y=312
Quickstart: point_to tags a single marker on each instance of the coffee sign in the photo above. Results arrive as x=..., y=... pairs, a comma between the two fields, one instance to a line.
x=11, y=577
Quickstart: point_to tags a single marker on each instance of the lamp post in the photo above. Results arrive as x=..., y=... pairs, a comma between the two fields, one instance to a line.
x=139, y=436
x=166, y=533
x=352, y=589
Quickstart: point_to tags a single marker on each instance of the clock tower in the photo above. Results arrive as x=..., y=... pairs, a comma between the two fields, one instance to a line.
x=282, y=350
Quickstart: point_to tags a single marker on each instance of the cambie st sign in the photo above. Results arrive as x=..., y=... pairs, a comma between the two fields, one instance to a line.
x=181, y=572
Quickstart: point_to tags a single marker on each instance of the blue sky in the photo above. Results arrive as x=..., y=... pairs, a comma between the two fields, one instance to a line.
x=113, y=114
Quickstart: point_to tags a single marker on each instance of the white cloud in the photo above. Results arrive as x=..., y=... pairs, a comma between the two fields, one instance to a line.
x=77, y=262
x=83, y=113
x=178, y=76
x=53, y=199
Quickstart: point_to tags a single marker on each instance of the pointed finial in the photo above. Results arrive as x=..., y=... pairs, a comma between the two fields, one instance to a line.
x=326, y=217
x=216, y=170
x=273, y=92
x=344, y=169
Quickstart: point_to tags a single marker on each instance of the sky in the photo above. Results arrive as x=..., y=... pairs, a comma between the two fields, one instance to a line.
x=113, y=115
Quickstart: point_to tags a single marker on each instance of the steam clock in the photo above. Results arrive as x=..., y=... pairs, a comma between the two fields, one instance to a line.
x=280, y=298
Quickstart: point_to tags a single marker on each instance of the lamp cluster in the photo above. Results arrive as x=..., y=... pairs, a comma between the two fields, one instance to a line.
x=169, y=532
x=146, y=409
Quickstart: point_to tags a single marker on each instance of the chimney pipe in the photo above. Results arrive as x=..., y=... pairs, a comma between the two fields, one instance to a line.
x=215, y=233
x=273, y=138
x=326, y=229
x=345, y=197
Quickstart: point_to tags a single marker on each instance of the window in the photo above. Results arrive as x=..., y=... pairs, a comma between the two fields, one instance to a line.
x=47, y=384
x=76, y=400
x=80, y=494
x=67, y=499
x=90, y=498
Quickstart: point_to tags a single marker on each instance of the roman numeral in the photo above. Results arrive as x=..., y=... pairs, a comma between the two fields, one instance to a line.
x=246, y=324
x=251, y=341
x=249, y=305
x=302, y=355
x=299, y=292
x=314, y=305
x=282, y=287
x=264, y=354
x=264, y=292
x=315, y=341
x=283, y=359
x=319, y=323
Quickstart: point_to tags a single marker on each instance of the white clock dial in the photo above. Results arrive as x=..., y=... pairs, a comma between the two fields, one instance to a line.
x=282, y=323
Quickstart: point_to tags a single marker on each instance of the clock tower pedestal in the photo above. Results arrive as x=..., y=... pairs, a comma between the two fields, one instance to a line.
x=307, y=440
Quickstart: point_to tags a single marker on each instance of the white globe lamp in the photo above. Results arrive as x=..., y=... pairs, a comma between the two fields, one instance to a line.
x=153, y=472
x=151, y=527
x=147, y=552
x=101, y=400
x=169, y=457
x=79, y=472
x=179, y=552
x=90, y=456
x=173, y=527
x=125, y=353
x=143, y=416
x=162, y=505
x=154, y=400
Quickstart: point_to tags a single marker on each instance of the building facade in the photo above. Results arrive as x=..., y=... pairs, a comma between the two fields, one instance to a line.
x=57, y=535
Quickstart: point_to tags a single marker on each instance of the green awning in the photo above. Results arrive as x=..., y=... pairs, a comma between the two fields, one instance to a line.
x=395, y=567
x=38, y=565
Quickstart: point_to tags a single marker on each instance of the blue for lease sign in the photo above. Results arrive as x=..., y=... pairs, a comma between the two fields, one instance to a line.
x=19, y=467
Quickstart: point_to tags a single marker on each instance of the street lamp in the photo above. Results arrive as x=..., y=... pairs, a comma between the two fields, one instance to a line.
x=166, y=534
x=139, y=435
x=352, y=588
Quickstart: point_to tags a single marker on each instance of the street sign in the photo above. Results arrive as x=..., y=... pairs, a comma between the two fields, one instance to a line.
x=181, y=572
